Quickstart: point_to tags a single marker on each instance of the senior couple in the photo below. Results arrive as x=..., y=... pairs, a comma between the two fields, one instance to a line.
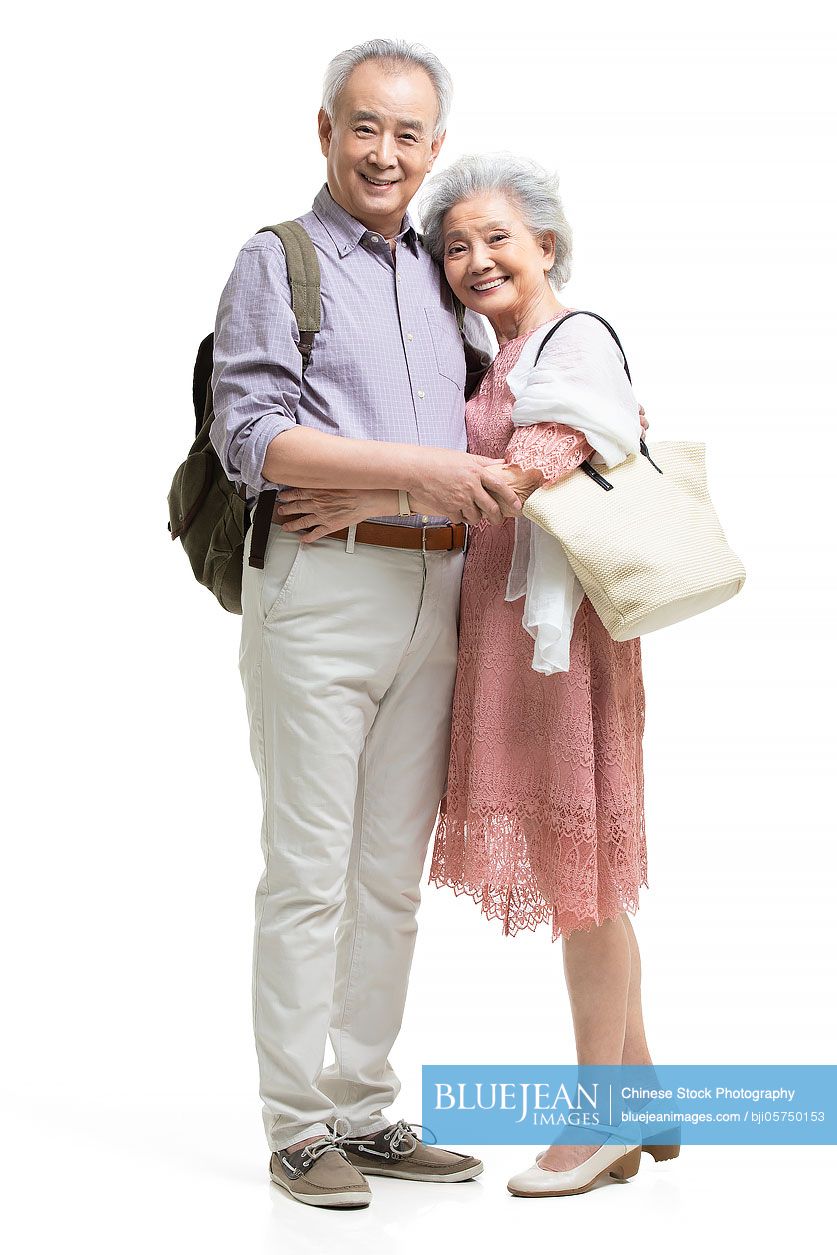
x=393, y=687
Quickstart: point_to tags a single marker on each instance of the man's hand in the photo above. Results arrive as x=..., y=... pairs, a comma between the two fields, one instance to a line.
x=316, y=512
x=643, y=420
x=461, y=486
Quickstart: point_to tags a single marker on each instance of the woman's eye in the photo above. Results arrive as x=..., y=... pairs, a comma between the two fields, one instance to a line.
x=454, y=248
x=497, y=239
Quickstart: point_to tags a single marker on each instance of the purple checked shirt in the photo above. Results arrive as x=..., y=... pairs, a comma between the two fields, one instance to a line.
x=387, y=364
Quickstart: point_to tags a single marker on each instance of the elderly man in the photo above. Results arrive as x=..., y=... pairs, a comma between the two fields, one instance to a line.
x=349, y=640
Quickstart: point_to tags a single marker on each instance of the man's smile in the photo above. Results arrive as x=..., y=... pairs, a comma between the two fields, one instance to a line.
x=378, y=182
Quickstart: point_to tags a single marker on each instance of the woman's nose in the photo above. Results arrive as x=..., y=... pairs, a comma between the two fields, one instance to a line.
x=481, y=260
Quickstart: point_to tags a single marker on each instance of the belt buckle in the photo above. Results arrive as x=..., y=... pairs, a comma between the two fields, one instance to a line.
x=423, y=540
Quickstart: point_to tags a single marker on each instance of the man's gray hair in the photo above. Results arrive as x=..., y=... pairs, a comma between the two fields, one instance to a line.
x=533, y=189
x=398, y=54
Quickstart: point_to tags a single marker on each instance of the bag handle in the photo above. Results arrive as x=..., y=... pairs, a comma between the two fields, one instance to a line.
x=586, y=466
x=603, y=321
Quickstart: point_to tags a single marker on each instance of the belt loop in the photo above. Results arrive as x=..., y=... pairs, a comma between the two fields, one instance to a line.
x=467, y=539
x=350, y=539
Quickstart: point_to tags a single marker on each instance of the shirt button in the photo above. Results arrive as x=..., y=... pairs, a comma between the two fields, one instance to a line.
x=425, y=518
x=421, y=394
x=409, y=335
x=374, y=239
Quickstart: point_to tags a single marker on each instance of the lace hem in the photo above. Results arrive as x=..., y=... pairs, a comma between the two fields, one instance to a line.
x=518, y=901
x=554, y=449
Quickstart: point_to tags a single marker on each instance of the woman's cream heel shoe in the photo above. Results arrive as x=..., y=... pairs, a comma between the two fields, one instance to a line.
x=617, y=1158
x=659, y=1150
x=660, y=1138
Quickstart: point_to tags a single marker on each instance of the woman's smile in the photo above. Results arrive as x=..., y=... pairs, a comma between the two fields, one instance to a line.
x=488, y=285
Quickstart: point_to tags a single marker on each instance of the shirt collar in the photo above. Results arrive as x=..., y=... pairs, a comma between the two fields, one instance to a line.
x=346, y=232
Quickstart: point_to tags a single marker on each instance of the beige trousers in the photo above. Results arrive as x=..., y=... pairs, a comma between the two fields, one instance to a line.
x=348, y=660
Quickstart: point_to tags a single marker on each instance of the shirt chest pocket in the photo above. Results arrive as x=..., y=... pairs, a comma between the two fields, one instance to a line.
x=447, y=344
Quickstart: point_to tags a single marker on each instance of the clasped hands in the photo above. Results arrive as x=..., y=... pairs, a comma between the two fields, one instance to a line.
x=462, y=487
x=485, y=488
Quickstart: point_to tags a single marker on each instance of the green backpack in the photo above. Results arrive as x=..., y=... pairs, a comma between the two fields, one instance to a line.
x=207, y=513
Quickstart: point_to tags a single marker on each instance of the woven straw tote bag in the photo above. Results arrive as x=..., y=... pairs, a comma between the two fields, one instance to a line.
x=643, y=538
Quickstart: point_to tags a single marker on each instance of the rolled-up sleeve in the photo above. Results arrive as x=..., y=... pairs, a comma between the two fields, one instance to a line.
x=257, y=368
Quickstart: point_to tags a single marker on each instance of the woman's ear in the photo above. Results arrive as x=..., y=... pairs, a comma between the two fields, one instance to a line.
x=547, y=243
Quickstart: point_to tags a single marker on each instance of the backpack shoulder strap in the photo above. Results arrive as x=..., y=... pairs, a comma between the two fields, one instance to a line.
x=304, y=278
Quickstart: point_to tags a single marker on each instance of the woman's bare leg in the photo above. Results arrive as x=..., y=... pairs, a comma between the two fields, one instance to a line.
x=597, y=967
x=635, y=1049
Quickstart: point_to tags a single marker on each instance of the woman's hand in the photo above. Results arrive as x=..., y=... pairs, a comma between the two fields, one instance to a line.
x=463, y=487
x=523, y=482
x=315, y=512
x=643, y=420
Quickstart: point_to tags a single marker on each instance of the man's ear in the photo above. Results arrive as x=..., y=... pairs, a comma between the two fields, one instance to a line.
x=435, y=146
x=324, y=130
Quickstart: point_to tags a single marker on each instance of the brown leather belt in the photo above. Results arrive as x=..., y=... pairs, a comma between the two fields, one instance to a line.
x=450, y=536
x=446, y=536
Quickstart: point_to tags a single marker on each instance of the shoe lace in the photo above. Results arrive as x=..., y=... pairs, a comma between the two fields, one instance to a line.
x=401, y=1139
x=329, y=1141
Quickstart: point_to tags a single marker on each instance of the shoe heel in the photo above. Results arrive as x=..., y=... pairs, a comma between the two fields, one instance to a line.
x=659, y=1153
x=666, y=1144
x=628, y=1165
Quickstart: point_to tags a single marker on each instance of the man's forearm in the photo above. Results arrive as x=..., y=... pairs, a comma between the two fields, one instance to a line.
x=307, y=458
x=449, y=482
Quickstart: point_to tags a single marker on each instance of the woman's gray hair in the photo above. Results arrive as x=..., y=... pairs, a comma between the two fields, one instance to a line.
x=397, y=53
x=533, y=189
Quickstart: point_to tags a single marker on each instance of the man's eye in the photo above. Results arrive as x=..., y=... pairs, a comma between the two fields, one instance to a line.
x=414, y=138
x=368, y=129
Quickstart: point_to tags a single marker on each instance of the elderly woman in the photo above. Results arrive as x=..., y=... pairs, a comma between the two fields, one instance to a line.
x=542, y=821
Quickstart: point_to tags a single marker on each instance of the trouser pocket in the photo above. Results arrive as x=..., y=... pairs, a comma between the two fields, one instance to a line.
x=281, y=565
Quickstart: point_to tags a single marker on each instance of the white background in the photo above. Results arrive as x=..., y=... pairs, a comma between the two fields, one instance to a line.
x=694, y=146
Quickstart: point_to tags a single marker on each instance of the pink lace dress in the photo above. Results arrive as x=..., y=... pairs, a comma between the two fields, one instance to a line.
x=543, y=819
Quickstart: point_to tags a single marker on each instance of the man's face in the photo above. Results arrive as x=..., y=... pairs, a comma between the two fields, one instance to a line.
x=380, y=145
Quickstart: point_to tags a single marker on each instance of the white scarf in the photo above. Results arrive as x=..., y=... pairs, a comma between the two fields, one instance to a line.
x=580, y=381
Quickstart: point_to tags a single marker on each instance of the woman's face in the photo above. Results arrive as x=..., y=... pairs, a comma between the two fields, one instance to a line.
x=493, y=262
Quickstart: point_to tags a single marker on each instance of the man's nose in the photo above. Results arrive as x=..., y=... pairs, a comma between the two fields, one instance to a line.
x=383, y=152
